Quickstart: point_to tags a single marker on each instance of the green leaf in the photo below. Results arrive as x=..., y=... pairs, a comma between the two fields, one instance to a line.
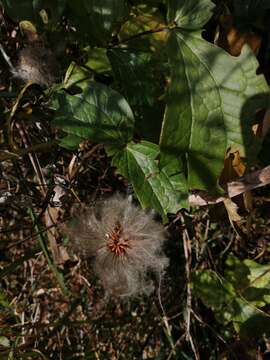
x=77, y=77
x=190, y=14
x=238, y=296
x=134, y=72
x=140, y=77
x=98, y=113
x=251, y=279
x=98, y=60
x=212, y=101
x=98, y=18
x=212, y=289
x=218, y=294
x=144, y=18
x=175, y=172
x=153, y=187
x=70, y=142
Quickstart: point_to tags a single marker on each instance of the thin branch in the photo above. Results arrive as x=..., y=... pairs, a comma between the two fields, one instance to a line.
x=7, y=59
x=143, y=33
x=187, y=254
x=165, y=321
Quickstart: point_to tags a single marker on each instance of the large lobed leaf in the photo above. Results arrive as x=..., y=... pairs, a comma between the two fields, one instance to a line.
x=212, y=100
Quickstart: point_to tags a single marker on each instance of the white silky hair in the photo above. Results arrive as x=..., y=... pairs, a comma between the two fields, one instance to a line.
x=35, y=64
x=125, y=273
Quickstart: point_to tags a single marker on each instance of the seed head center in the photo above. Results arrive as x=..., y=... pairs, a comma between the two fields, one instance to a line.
x=117, y=245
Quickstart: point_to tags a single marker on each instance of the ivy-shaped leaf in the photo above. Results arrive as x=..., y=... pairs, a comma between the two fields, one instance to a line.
x=238, y=296
x=154, y=188
x=250, y=279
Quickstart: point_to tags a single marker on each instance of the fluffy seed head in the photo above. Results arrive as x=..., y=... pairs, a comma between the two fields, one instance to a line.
x=124, y=242
x=36, y=64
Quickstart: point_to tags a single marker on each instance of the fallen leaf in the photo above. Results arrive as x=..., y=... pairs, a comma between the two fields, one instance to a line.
x=232, y=39
x=233, y=166
x=232, y=210
x=243, y=184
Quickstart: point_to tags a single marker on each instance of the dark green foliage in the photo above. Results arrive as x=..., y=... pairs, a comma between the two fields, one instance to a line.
x=140, y=83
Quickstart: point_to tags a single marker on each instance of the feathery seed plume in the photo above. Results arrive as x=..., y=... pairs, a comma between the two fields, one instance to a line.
x=36, y=64
x=124, y=242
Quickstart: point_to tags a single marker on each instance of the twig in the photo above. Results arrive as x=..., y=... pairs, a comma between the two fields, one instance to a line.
x=143, y=33
x=228, y=246
x=85, y=157
x=33, y=236
x=41, y=180
x=7, y=59
x=197, y=317
x=10, y=121
x=178, y=342
x=59, y=277
x=168, y=332
x=17, y=153
x=187, y=254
